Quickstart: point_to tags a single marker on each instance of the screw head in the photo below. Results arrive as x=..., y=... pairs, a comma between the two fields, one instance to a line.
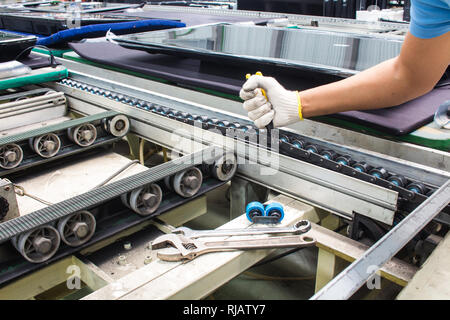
x=191, y=181
x=81, y=229
x=122, y=260
x=87, y=135
x=10, y=156
x=148, y=259
x=42, y=245
x=49, y=145
x=149, y=199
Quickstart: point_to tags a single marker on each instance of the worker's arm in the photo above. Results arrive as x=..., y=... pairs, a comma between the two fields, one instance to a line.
x=413, y=73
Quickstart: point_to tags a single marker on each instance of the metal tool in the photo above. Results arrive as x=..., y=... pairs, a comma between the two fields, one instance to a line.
x=189, y=249
x=300, y=227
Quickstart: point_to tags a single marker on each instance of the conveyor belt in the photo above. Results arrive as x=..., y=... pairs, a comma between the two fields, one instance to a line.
x=56, y=127
x=121, y=219
x=87, y=200
x=28, y=148
x=411, y=191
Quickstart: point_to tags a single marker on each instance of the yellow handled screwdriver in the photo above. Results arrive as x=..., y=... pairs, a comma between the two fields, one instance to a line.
x=259, y=73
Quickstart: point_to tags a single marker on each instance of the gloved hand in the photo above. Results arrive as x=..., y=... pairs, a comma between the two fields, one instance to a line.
x=282, y=106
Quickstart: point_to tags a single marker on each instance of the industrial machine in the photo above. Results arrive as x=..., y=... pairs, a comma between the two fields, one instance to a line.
x=383, y=193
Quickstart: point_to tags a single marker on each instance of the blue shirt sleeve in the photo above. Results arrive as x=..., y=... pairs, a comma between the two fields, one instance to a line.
x=429, y=18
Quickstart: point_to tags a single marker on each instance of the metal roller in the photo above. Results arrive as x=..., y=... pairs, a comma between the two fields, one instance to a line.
x=11, y=156
x=187, y=183
x=298, y=144
x=48, y=141
x=379, y=172
x=38, y=245
x=223, y=123
x=213, y=121
x=225, y=167
x=328, y=154
x=417, y=187
x=83, y=135
x=361, y=166
x=146, y=200
x=398, y=180
x=312, y=148
x=344, y=159
x=118, y=126
x=47, y=145
x=77, y=228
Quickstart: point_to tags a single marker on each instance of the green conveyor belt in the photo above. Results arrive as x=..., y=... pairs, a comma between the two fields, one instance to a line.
x=428, y=136
x=55, y=52
x=36, y=76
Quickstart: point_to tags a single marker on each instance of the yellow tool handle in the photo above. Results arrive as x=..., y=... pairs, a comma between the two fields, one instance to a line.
x=258, y=73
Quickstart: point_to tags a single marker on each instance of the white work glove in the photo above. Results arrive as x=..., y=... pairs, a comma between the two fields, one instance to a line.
x=282, y=106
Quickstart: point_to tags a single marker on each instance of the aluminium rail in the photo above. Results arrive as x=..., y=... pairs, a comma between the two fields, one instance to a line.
x=345, y=284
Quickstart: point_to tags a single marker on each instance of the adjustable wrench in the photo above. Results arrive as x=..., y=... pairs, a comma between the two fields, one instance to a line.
x=191, y=248
x=300, y=227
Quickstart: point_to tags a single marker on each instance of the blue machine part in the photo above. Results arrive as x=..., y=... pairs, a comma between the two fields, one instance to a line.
x=275, y=209
x=414, y=189
x=298, y=144
x=253, y=209
x=376, y=174
x=100, y=30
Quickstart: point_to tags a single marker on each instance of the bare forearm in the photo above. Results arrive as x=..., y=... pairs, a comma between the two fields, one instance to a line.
x=383, y=85
x=413, y=73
